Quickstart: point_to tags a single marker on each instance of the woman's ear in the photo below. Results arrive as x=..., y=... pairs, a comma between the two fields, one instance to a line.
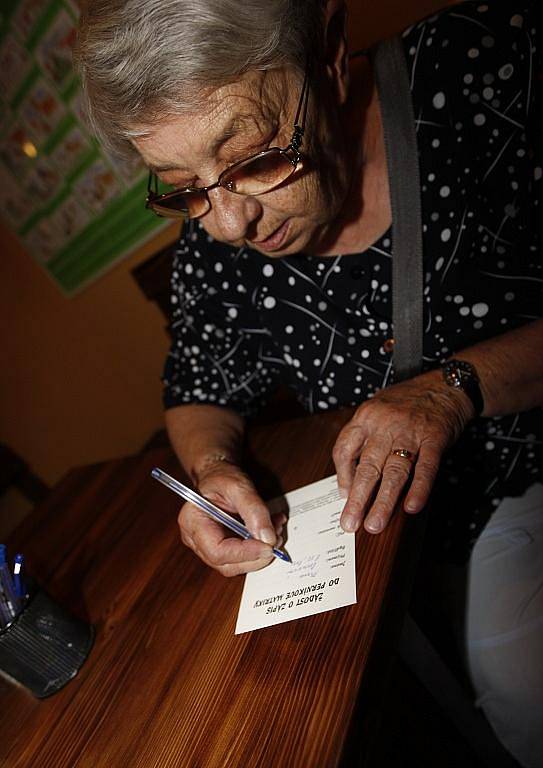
x=336, y=53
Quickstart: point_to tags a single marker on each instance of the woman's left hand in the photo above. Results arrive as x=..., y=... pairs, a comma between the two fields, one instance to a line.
x=422, y=416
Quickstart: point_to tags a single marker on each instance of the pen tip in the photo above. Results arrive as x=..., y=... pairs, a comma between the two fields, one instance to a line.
x=282, y=555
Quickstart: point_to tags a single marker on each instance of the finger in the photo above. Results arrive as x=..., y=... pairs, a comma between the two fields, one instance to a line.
x=396, y=473
x=426, y=470
x=236, y=569
x=188, y=541
x=239, y=554
x=182, y=521
x=345, y=454
x=230, y=550
x=214, y=544
x=366, y=479
x=243, y=499
x=278, y=522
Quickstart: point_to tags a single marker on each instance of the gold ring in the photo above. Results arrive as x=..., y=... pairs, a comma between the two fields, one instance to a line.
x=402, y=452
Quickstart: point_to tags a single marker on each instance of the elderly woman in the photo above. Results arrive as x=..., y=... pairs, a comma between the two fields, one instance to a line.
x=283, y=275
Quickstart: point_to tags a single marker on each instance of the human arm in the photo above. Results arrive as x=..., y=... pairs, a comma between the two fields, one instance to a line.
x=482, y=269
x=426, y=416
x=207, y=440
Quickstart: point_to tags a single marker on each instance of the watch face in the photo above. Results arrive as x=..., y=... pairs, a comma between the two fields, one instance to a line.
x=462, y=375
x=457, y=371
x=452, y=376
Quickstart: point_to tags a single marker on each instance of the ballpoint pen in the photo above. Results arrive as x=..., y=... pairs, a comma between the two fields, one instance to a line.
x=207, y=506
x=18, y=579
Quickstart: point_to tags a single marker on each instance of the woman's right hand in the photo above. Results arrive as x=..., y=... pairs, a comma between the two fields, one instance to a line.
x=227, y=486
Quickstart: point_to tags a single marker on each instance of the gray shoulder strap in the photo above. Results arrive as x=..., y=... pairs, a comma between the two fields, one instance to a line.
x=403, y=173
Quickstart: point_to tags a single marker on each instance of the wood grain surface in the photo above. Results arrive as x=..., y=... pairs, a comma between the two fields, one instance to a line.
x=168, y=684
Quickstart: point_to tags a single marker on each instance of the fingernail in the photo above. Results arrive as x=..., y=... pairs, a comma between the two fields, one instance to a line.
x=349, y=524
x=374, y=525
x=267, y=535
x=343, y=493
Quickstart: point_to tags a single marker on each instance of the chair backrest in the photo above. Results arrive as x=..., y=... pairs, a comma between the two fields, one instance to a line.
x=153, y=278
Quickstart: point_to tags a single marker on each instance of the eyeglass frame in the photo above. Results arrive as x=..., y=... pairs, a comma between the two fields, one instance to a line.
x=294, y=147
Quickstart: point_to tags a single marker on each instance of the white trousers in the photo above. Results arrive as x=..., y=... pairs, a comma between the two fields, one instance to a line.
x=503, y=625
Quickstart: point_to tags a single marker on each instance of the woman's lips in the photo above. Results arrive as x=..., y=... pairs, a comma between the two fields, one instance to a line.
x=273, y=241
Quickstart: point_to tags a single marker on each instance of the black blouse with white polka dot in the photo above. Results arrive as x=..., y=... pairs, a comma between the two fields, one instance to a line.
x=244, y=323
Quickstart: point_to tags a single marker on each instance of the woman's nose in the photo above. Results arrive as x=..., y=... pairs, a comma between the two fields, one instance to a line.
x=233, y=214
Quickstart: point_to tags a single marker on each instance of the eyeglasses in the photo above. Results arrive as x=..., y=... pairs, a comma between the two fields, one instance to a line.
x=255, y=175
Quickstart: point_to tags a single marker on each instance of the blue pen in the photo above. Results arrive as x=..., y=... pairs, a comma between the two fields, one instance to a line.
x=215, y=512
x=20, y=587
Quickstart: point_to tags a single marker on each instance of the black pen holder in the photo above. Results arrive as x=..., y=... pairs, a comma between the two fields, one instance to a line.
x=45, y=646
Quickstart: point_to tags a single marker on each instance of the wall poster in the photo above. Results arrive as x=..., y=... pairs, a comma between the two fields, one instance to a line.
x=76, y=210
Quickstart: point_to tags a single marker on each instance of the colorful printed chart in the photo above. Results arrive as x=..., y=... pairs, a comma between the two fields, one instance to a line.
x=76, y=209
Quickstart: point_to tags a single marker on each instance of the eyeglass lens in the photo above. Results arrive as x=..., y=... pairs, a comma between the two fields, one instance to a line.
x=250, y=177
x=181, y=205
x=259, y=174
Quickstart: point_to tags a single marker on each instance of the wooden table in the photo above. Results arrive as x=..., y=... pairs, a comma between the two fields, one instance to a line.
x=168, y=684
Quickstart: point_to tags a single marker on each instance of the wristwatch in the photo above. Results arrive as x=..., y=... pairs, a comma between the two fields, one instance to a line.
x=462, y=375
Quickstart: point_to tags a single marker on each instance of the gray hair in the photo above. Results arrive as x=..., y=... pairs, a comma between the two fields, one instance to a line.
x=141, y=60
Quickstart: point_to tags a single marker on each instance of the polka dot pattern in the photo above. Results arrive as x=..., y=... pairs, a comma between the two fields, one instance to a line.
x=242, y=323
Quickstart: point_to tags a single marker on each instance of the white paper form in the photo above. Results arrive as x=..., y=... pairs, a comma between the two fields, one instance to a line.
x=322, y=575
